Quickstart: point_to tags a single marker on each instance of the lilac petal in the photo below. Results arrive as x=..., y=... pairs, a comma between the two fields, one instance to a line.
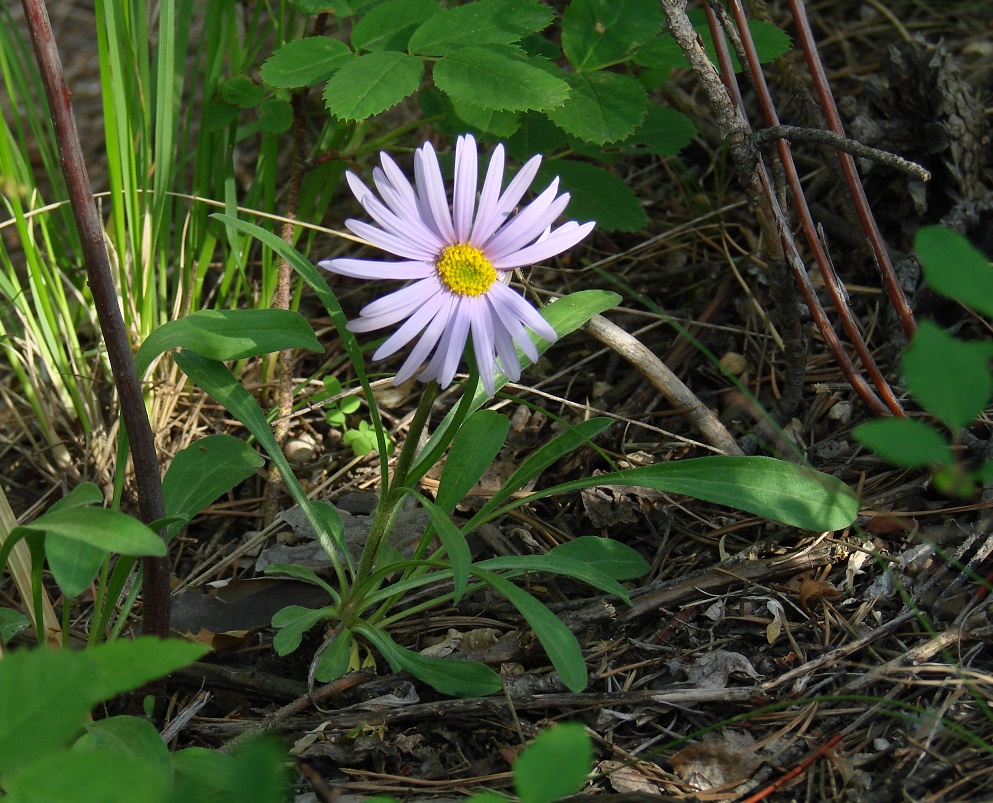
x=488, y=198
x=405, y=209
x=482, y=342
x=504, y=341
x=413, y=232
x=446, y=357
x=399, y=184
x=507, y=315
x=529, y=224
x=415, y=323
x=561, y=239
x=513, y=194
x=374, y=269
x=393, y=243
x=515, y=306
x=427, y=342
x=464, y=194
x=431, y=193
x=394, y=306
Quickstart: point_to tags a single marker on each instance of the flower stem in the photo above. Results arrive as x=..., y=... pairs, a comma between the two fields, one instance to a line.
x=393, y=492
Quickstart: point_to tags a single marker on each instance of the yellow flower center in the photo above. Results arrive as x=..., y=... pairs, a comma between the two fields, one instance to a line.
x=465, y=270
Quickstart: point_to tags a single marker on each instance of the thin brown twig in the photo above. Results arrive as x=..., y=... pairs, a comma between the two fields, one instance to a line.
x=818, y=136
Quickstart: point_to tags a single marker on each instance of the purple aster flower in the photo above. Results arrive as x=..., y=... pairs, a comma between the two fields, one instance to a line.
x=458, y=260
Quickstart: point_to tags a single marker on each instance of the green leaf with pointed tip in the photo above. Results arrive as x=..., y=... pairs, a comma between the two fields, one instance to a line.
x=204, y=470
x=453, y=541
x=500, y=78
x=611, y=557
x=372, y=83
x=484, y=22
x=301, y=573
x=558, y=564
x=476, y=445
x=293, y=621
x=83, y=495
x=601, y=107
x=46, y=695
x=906, y=442
x=135, y=740
x=230, y=335
x=449, y=676
x=305, y=62
x=777, y=490
x=949, y=377
x=954, y=268
x=566, y=747
x=599, y=33
x=77, y=540
x=559, y=642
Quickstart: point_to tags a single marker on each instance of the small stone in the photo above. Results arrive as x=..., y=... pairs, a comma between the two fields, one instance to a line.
x=734, y=363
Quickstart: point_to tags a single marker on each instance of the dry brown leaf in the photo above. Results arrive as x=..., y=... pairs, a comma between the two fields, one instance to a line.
x=811, y=589
x=719, y=760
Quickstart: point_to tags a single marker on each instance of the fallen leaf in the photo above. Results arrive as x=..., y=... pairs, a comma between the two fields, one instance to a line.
x=719, y=760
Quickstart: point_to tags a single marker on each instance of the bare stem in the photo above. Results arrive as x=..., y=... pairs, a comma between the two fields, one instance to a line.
x=151, y=507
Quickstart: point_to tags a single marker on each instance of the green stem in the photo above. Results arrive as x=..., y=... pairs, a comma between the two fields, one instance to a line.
x=393, y=492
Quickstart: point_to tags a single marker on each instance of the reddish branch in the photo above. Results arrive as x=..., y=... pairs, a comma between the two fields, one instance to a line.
x=151, y=507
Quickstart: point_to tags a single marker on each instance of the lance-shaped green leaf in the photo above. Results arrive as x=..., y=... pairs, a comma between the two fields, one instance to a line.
x=453, y=677
x=452, y=540
x=611, y=557
x=559, y=642
x=558, y=564
x=333, y=662
x=777, y=490
x=295, y=620
x=476, y=446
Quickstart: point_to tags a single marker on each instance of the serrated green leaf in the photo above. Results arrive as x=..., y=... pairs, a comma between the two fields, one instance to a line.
x=665, y=132
x=566, y=747
x=538, y=134
x=906, y=442
x=601, y=107
x=484, y=22
x=559, y=642
x=600, y=33
x=453, y=677
x=498, y=77
x=611, y=557
x=597, y=195
x=305, y=62
x=949, y=377
x=388, y=26
x=242, y=91
x=954, y=268
x=372, y=83
x=481, y=120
